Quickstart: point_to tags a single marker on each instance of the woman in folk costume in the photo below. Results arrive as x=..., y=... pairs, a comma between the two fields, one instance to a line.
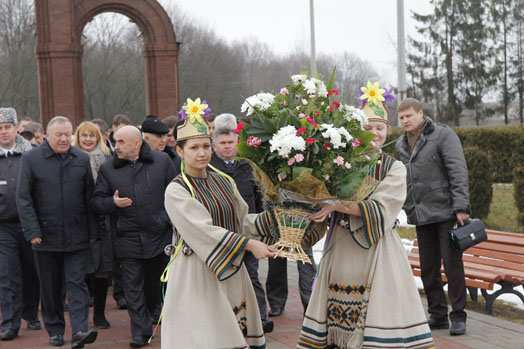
x=365, y=294
x=210, y=302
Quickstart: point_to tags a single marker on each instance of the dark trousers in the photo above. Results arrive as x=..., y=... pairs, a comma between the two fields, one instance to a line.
x=276, y=282
x=251, y=263
x=118, y=290
x=434, y=247
x=55, y=269
x=19, y=286
x=141, y=283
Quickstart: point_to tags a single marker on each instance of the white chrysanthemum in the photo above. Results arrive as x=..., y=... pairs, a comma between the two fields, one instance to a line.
x=304, y=102
x=352, y=113
x=299, y=78
x=286, y=140
x=261, y=101
x=310, y=86
x=321, y=87
x=335, y=135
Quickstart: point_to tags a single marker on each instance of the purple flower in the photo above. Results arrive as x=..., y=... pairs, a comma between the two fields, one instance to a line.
x=388, y=96
x=361, y=101
x=182, y=113
x=207, y=110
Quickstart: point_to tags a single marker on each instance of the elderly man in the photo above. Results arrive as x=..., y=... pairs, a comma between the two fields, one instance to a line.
x=55, y=184
x=19, y=287
x=155, y=133
x=438, y=197
x=130, y=187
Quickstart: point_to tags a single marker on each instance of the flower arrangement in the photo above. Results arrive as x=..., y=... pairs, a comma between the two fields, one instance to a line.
x=306, y=140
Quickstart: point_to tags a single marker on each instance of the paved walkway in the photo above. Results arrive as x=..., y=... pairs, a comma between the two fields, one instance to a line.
x=483, y=332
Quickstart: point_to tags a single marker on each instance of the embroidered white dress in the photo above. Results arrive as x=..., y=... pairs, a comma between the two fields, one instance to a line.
x=365, y=294
x=210, y=302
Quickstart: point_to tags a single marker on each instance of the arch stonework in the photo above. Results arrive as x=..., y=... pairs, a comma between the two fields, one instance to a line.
x=59, y=26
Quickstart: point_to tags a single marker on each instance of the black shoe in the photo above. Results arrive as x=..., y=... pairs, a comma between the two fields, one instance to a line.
x=435, y=324
x=101, y=322
x=275, y=312
x=268, y=326
x=138, y=342
x=121, y=303
x=34, y=325
x=8, y=335
x=57, y=340
x=457, y=328
x=81, y=338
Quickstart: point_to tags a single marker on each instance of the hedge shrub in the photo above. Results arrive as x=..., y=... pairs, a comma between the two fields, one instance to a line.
x=480, y=184
x=518, y=191
x=503, y=145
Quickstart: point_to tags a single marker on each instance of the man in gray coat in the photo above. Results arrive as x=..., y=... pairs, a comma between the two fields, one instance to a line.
x=19, y=288
x=55, y=184
x=438, y=197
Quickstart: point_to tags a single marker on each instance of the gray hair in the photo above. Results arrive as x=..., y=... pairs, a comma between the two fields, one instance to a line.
x=223, y=131
x=226, y=120
x=60, y=120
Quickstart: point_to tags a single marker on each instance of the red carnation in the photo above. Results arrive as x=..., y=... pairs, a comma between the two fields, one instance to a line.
x=333, y=92
x=326, y=146
x=337, y=104
x=301, y=130
x=310, y=141
x=317, y=112
x=239, y=128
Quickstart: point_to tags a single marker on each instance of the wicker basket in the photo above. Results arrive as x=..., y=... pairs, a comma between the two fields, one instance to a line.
x=292, y=224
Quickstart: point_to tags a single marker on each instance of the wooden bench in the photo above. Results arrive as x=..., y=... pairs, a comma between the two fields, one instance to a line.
x=500, y=260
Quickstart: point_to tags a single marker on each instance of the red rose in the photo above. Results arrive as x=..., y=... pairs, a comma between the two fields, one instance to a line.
x=333, y=92
x=326, y=146
x=337, y=104
x=317, y=112
x=310, y=141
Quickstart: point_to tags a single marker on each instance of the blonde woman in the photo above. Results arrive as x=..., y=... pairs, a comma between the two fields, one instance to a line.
x=89, y=139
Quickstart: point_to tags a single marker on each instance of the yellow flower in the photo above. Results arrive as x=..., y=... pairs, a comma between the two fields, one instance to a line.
x=372, y=93
x=194, y=109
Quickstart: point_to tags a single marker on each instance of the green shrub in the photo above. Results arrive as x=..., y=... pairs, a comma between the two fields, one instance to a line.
x=504, y=146
x=518, y=187
x=480, y=181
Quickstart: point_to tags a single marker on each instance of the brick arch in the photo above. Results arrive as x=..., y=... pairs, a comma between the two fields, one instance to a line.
x=59, y=27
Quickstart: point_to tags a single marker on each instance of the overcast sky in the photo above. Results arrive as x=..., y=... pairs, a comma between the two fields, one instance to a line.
x=367, y=28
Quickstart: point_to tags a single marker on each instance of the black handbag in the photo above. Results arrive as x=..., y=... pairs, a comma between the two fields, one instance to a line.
x=468, y=235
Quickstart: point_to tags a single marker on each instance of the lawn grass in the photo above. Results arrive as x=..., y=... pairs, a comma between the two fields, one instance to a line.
x=503, y=211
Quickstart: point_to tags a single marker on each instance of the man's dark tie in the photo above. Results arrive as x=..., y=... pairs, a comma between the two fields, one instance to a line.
x=229, y=165
x=8, y=154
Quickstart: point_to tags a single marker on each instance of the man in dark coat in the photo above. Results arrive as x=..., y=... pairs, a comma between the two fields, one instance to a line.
x=130, y=187
x=19, y=287
x=223, y=158
x=438, y=197
x=55, y=184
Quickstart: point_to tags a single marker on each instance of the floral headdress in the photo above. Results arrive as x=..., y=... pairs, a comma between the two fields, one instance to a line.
x=194, y=126
x=372, y=101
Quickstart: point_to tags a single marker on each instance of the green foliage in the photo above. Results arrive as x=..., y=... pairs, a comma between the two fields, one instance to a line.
x=480, y=184
x=518, y=185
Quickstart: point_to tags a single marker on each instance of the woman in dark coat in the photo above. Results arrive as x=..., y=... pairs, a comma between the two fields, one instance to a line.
x=89, y=139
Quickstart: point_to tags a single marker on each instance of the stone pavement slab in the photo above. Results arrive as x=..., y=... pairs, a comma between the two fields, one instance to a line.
x=483, y=331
